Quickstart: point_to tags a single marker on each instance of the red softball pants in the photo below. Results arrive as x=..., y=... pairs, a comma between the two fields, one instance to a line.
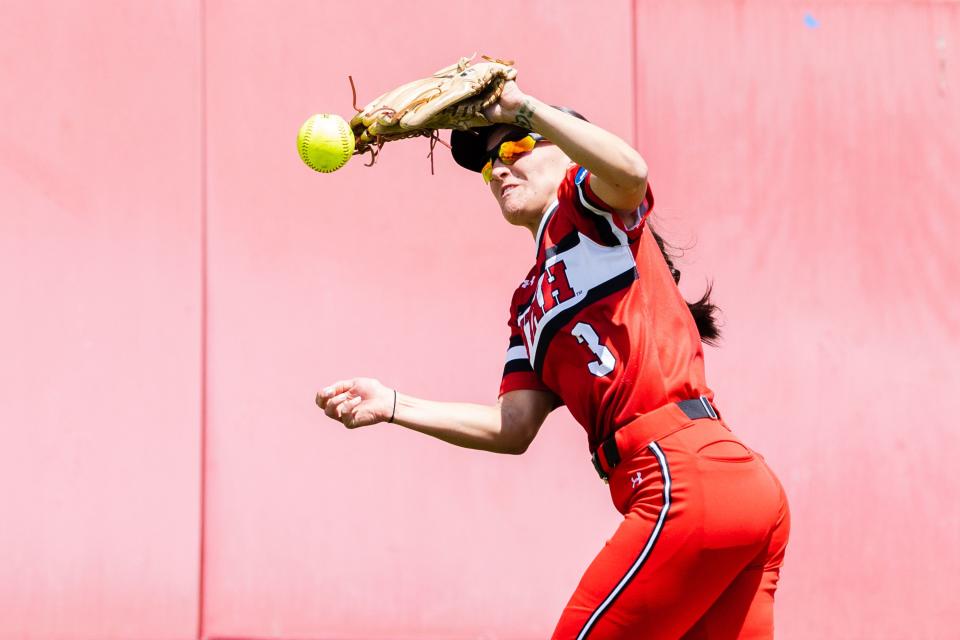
x=699, y=551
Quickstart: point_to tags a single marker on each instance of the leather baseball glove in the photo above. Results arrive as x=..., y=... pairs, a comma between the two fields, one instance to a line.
x=452, y=98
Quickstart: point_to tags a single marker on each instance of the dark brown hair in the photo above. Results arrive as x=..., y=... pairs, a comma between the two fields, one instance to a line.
x=703, y=311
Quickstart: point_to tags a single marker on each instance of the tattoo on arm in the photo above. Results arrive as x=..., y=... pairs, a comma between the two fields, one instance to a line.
x=525, y=115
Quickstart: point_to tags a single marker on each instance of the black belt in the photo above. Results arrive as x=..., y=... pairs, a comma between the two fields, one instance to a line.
x=694, y=409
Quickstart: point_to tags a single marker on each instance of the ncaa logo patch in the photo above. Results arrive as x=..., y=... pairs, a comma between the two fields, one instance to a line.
x=581, y=175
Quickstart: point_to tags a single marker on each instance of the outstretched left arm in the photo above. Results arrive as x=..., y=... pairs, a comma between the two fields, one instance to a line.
x=507, y=427
x=619, y=171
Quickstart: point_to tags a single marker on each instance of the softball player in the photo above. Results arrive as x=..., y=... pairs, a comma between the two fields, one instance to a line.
x=599, y=325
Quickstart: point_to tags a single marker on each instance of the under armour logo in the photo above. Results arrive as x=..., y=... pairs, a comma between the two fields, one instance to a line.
x=635, y=480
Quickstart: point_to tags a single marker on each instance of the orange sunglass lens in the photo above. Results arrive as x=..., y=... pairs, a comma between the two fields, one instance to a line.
x=487, y=172
x=508, y=152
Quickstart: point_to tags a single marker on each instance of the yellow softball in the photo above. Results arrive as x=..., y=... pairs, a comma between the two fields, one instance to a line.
x=325, y=142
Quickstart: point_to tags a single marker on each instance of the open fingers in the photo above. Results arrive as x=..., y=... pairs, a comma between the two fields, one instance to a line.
x=336, y=405
x=342, y=407
x=327, y=393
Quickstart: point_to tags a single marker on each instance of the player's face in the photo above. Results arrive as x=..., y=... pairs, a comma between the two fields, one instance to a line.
x=525, y=188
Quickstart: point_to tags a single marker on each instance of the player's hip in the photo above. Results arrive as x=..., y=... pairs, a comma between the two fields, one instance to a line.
x=693, y=469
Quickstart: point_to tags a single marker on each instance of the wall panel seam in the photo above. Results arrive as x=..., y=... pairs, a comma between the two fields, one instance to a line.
x=201, y=580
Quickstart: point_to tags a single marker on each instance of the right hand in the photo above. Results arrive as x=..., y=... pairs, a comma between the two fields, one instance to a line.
x=357, y=402
x=504, y=110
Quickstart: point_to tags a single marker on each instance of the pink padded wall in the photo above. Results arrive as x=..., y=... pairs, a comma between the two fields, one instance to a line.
x=813, y=160
x=100, y=324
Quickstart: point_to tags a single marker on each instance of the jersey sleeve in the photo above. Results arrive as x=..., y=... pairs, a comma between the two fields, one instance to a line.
x=594, y=217
x=517, y=371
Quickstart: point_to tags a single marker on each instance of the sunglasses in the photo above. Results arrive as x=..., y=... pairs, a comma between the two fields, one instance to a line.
x=508, y=152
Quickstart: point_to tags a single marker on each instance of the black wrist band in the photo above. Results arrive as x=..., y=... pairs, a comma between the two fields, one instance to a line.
x=394, y=412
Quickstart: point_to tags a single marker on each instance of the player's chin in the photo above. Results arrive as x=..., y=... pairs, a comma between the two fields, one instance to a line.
x=511, y=214
x=511, y=208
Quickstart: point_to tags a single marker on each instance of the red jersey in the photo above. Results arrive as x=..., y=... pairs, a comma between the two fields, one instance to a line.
x=599, y=320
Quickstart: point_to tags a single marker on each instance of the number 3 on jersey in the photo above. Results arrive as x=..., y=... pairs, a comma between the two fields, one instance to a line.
x=585, y=334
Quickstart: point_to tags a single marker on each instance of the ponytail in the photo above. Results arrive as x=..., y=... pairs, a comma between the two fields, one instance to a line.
x=703, y=311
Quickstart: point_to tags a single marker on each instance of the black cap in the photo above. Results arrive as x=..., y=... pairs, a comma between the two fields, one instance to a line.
x=469, y=147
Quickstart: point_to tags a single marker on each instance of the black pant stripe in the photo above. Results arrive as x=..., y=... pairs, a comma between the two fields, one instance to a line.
x=644, y=553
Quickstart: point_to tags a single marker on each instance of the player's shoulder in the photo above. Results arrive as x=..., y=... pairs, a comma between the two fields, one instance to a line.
x=577, y=210
x=592, y=216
